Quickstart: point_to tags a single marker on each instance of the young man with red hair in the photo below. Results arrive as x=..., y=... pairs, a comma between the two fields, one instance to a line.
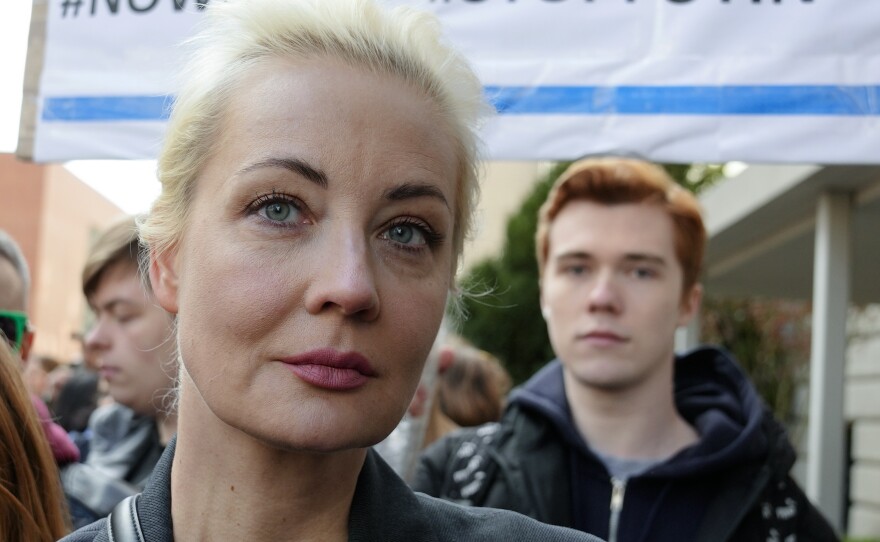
x=619, y=437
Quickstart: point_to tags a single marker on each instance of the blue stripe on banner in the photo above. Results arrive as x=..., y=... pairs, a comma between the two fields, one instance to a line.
x=106, y=108
x=689, y=100
x=560, y=100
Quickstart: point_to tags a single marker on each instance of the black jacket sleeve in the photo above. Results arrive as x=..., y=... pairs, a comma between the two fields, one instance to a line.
x=783, y=512
x=431, y=469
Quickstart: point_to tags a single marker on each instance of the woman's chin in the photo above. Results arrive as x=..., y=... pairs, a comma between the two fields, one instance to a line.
x=327, y=437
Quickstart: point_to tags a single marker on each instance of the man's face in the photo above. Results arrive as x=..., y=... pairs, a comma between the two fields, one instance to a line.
x=11, y=288
x=132, y=340
x=611, y=293
x=12, y=296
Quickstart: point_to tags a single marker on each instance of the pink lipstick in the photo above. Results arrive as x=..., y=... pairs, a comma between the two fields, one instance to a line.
x=330, y=369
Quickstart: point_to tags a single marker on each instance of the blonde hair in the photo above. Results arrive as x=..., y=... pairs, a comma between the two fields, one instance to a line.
x=240, y=34
x=32, y=505
x=615, y=181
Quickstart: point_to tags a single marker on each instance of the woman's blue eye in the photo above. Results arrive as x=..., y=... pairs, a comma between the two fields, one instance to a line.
x=279, y=211
x=405, y=234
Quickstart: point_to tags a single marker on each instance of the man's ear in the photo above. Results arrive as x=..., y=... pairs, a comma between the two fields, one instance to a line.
x=690, y=304
x=27, y=341
x=163, y=278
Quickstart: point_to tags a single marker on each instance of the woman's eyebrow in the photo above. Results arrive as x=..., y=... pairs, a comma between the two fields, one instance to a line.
x=414, y=190
x=296, y=165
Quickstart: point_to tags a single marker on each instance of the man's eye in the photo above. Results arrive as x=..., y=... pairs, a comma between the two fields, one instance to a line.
x=643, y=273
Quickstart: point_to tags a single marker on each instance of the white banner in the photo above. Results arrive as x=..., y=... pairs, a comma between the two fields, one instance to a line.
x=669, y=80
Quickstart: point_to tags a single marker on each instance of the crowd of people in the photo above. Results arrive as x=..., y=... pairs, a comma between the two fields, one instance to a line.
x=268, y=322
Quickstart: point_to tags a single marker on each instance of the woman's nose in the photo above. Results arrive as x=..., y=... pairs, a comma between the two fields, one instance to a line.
x=345, y=281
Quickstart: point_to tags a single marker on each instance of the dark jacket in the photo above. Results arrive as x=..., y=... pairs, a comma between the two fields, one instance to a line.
x=383, y=509
x=123, y=451
x=732, y=485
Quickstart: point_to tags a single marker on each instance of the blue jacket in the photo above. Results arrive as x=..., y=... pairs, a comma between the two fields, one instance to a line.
x=732, y=485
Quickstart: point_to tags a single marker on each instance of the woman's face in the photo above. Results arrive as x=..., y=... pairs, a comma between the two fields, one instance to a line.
x=313, y=271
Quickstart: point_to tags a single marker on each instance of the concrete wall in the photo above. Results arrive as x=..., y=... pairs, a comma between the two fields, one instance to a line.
x=505, y=186
x=863, y=411
x=73, y=214
x=21, y=200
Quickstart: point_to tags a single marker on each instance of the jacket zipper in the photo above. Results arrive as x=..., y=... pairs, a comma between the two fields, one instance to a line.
x=618, y=488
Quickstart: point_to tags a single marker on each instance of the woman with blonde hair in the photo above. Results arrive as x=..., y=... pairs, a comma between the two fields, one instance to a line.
x=32, y=506
x=318, y=177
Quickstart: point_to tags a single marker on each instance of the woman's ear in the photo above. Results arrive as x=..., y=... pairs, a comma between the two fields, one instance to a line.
x=163, y=277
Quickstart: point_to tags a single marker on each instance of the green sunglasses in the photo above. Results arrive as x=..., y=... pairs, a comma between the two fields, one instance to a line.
x=13, y=325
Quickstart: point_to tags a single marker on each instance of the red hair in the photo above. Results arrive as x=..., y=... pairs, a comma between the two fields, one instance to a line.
x=32, y=505
x=616, y=181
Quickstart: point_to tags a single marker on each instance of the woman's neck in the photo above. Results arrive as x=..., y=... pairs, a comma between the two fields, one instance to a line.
x=166, y=424
x=230, y=486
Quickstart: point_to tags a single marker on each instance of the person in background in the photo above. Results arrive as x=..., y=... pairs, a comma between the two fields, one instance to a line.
x=74, y=404
x=619, y=436
x=36, y=376
x=318, y=179
x=15, y=327
x=472, y=389
x=32, y=505
x=132, y=340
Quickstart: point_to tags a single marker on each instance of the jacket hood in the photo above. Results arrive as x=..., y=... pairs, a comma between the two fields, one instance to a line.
x=711, y=392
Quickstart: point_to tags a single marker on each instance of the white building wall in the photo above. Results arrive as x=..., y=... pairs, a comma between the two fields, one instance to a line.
x=863, y=411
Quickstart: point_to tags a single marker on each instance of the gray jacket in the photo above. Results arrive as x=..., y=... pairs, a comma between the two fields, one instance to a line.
x=123, y=452
x=383, y=509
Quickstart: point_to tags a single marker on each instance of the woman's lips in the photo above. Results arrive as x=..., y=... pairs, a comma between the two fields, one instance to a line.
x=330, y=369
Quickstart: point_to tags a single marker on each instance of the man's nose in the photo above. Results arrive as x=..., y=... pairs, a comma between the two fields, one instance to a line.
x=604, y=294
x=96, y=338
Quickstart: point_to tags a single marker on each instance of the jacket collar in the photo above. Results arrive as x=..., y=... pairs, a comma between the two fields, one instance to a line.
x=383, y=507
x=711, y=392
